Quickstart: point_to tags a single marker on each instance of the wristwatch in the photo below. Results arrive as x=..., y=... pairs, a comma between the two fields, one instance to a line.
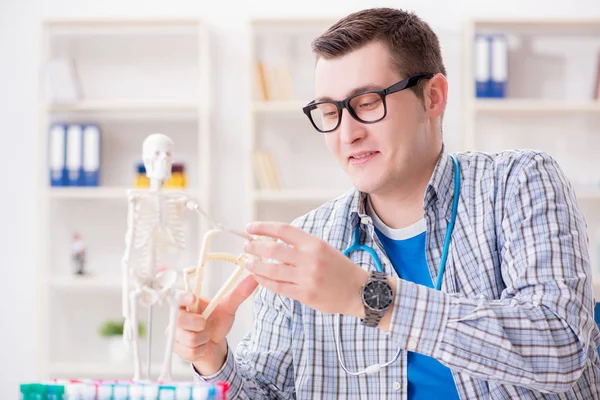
x=377, y=296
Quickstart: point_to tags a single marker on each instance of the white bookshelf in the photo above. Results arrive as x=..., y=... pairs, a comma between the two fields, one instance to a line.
x=549, y=104
x=138, y=76
x=309, y=175
x=539, y=107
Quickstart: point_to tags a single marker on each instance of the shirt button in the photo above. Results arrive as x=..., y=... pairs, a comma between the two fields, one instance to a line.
x=411, y=345
x=365, y=220
x=396, y=386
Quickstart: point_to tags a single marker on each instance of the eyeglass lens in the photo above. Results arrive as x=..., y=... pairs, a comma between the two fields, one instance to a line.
x=368, y=107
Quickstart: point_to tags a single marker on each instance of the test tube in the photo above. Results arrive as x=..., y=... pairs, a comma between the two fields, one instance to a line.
x=183, y=391
x=120, y=391
x=166, y=392
x=136, y=392
x=151, y=392
x=105, y=391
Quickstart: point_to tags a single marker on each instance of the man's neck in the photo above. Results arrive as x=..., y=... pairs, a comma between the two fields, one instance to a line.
x=401, y=210
x=402, y=206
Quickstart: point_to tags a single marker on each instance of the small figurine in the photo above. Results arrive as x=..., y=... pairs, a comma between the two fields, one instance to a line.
x=78, y=253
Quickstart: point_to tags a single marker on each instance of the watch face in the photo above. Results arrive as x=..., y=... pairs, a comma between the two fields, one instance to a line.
x=377, y=295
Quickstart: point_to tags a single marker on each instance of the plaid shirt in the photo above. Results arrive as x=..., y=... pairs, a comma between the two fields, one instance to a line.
x=513, y=320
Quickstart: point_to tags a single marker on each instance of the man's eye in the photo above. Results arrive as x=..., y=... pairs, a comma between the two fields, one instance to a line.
x=370, y=104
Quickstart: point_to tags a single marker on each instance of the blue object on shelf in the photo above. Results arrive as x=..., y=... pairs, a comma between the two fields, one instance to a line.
x=91, y=148
x=597, y=318
x=57, y=154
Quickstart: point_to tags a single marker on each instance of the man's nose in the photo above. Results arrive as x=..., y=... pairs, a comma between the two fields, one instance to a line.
x=351, y=130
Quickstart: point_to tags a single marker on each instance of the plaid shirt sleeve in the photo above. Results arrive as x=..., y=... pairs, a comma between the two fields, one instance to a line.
x=539, y=333
x=262, y=368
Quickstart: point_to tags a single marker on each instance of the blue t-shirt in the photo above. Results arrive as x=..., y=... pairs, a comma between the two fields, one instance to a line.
x=427, y=377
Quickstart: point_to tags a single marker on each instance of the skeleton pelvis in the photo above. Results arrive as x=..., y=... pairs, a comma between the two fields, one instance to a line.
x=154, y=290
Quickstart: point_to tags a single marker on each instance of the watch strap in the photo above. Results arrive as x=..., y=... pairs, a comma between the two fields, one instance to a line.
x=373, y=317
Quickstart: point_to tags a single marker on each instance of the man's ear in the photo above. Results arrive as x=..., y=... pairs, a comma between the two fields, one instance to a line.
x=435, y=94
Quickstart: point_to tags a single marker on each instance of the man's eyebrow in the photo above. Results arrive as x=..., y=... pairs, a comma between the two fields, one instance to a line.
x=354, y=91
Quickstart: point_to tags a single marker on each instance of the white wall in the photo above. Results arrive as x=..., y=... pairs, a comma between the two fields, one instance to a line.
x=19, y=24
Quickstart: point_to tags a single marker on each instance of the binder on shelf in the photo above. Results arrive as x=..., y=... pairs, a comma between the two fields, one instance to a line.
x=74, y=155
x=91, y=155
x=482, y=66
x=57, y=156
x=499, y=65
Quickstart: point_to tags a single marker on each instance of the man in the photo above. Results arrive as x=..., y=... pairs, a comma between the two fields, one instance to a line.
x=486, y=287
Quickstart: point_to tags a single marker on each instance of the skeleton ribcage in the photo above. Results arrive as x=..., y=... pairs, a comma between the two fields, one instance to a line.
x=159, y=230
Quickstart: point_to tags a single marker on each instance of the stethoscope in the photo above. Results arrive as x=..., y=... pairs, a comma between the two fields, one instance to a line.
x=356, y=246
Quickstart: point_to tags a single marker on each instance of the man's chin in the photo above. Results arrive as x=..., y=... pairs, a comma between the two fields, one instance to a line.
x=365, y=185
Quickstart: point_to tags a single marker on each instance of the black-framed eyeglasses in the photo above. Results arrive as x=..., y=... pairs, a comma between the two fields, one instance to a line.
x=367, y=107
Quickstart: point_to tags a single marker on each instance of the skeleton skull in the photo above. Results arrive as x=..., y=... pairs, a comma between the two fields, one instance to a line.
x=157, y=153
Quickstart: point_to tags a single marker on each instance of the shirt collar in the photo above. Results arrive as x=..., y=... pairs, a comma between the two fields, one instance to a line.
x=440, y=190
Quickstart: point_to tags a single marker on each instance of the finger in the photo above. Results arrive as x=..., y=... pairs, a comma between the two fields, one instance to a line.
x=241, y=292
x=282, y=288
x=190, y=321
x=201, y=304
x=274, y=250
x=191, y=338
x=273, y=271
x=187, y=299
x=190, y=354
x=278, y=230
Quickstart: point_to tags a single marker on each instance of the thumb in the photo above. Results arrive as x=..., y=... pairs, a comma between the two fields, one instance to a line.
x=241, y=292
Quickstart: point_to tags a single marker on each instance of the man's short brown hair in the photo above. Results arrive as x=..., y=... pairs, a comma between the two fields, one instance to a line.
x=413, y=45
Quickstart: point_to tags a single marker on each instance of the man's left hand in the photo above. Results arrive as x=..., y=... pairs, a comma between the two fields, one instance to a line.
x=306, y=269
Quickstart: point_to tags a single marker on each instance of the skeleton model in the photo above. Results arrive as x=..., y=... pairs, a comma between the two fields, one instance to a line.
x=154, y=234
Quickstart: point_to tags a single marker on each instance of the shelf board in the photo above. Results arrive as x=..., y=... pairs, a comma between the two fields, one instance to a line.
x=124, y=106
x=100, y=21
x=540, y=23
x=287, y=21
x=100, y=192
x=95, y=283
x=518, y=106
x=297, y=195
x=77, y=370
x=279, y=106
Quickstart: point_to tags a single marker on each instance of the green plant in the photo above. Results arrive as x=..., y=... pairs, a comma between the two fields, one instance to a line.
x=115, y=328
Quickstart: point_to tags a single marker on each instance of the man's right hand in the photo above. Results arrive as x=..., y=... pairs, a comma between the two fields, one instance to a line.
x=203, y=342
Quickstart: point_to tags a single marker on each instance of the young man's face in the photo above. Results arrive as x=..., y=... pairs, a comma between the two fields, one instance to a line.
x=382, y=156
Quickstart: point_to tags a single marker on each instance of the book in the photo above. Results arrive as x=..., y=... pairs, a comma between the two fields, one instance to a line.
x=265, y=170
x=62, y=82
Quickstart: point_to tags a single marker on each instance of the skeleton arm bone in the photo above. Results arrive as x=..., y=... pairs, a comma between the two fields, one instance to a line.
x=125, y=269
x=194, y=206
